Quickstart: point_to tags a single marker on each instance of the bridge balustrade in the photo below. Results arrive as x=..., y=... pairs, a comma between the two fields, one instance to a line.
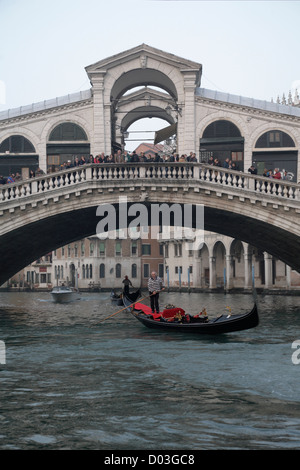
x=150, y=171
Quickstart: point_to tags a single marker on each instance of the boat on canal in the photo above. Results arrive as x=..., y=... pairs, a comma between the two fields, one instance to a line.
x=176, y=319
x=62, y=294
x=118, y=297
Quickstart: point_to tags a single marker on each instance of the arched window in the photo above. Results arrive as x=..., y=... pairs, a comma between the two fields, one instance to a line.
x=67, y=131
x=274, y=138
x=83, y=271
x=133, y=270
x=221, y=128
x=221, y=140
x=17, y=144
x=118, y=270
x=91, y=271
x=102, y=271
x=276, y=149
x=87, y=271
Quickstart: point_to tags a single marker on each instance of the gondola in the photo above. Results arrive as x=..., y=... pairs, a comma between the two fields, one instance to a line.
x=118, y=298
x=175, y=319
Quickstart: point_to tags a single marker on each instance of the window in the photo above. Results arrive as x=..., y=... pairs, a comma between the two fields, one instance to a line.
x=118, y=270
x=133, y=270
x=17, y=144
x=146, y=249
x=102, y=271
x=161, y=249
x=237, y=156
x=161, y=270
x=146, y=270
x=82, y=249
x=69, y=251
x=76, y=250
x=274, y=138
x=118, y=249
x=178, y=269
x=67, y=131
x=178, y=249
x=221, y=128
x=91, y=249
x=83, y=271
x=102, y=249
x=91, y=271
x=166, y=251
x=134, y=249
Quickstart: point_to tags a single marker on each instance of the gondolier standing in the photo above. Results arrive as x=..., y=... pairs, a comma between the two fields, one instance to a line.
x=155, y=285
x=127, y=283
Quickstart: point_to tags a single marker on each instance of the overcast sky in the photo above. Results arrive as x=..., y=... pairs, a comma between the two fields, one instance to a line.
x=248, y=48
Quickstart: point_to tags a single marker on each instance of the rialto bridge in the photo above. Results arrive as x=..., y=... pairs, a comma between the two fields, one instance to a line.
x=41, y=214
x=147, y=82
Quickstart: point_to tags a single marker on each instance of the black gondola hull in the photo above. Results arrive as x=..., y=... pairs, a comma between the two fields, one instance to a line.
x=219, y=325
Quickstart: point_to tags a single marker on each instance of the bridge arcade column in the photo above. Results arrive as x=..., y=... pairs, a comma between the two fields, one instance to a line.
x=197, y=273
x=229, y=271
x=248, y=270
x=186, y=133
x=268, y=270
x=102, y=131
x=212, y=272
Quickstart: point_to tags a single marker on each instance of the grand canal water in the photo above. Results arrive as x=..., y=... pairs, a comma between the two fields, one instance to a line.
x=70, y=382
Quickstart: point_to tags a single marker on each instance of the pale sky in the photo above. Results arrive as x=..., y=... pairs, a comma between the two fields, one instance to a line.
x=248, y=48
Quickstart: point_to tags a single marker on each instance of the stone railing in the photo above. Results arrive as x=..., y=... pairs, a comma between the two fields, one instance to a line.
x=151, y=171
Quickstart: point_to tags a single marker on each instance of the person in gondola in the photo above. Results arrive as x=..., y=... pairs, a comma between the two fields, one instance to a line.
x=127, y=283
x=155, y=285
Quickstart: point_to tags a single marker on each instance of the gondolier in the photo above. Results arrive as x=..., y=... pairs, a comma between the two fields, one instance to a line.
x=155, y=285
x=127, y=283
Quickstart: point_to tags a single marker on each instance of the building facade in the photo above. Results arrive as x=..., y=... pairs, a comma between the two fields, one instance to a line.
x=224, y=263
x=221, y=263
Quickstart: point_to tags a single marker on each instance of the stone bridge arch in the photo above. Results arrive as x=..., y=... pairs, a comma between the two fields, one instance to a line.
x=43, y=214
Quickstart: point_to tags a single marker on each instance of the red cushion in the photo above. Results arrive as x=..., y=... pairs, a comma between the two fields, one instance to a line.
x=171, y=312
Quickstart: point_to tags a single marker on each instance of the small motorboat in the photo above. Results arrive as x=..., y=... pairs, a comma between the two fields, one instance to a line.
x=61, y=294
x=176, y=319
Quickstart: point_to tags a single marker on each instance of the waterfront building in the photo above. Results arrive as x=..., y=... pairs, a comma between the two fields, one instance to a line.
x=221, y=263
x=224, y=263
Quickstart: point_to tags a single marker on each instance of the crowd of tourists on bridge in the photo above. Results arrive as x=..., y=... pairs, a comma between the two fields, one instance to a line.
x=126, y=157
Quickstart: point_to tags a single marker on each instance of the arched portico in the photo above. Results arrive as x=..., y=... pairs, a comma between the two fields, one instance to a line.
x=143, y=66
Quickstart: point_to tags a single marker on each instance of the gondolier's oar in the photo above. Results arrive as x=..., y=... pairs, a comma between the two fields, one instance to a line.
x=147, y=297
